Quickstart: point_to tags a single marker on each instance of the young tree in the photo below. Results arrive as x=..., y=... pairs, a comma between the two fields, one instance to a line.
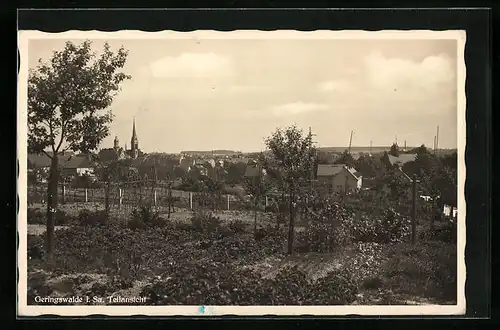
x=111, y=172
x=68, y=107
x=257, y=186
x=293, y=155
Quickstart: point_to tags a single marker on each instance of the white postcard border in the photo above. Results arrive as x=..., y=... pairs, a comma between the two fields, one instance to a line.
x=31, y=310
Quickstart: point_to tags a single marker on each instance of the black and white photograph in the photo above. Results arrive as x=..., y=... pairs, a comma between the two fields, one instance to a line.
x=212, y=173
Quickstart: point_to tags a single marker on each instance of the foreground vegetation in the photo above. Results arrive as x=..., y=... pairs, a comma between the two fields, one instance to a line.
x=216, y=260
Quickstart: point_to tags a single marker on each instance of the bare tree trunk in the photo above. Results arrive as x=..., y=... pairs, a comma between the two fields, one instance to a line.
x=52, y=203
x=291, y=225
x=106, y=197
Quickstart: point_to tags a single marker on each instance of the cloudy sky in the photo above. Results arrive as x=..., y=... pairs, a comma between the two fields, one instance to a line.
x=189, y=94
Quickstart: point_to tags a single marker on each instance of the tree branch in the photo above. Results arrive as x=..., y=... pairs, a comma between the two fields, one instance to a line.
x=63, y=131
x=45, y=152
x=52, y=137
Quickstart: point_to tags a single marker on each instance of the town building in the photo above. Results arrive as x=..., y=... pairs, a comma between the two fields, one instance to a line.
x=117, y=152
x=338, y=177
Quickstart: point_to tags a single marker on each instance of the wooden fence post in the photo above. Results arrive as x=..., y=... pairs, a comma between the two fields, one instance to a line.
x=154, y=195
x=191, y=200
x=64, y=194
x=120, y=198
x=86, y=199
x=227, y=196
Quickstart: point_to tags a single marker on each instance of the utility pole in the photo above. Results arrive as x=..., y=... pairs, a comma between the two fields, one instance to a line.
x=414, y=211
x=350, y=143
x=437, y=138
x=370, y=147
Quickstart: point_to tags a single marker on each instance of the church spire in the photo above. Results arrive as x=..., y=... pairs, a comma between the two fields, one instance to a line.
x=134, y=143
x=134, y=134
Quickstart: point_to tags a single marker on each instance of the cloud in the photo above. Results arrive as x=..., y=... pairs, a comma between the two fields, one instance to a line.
x=190, y=65
x=297, y=108
x=432, y=71
x=334, y=86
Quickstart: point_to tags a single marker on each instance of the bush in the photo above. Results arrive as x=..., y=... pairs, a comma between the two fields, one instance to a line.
x=35, y=217
x=145, y=216
x=328, y=226
x=336, y=288
x=35, y=247
x=237, y=226
x=392, y=227
x=92, y=218
x=205, y=222
x=428, y=269
x=446, y=233
x=39, y=217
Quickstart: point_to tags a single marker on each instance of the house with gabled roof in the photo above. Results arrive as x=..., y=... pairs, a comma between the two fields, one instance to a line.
x=338, y=177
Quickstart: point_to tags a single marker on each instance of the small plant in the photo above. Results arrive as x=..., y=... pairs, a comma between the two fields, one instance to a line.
x=205, y=222
x=145, y=216
x=35, y=217
x=237, y=226
x=35, y=247
x=92, y=218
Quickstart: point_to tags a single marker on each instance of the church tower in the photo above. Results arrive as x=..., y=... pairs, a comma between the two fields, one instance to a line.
x=116, y=144
x=135, y=143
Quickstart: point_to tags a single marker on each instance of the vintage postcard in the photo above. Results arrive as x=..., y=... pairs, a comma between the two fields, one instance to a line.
x=258, y=173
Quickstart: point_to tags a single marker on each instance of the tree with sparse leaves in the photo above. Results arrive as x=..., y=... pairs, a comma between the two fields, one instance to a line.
x=110, y=173
x=293, y=156
x=68, y=107
x=257, y=186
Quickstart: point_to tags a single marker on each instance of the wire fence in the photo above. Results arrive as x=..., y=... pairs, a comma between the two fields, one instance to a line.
x=130, y=195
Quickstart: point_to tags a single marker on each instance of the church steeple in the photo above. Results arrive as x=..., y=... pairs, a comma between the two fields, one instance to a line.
x=134, y=134
x=134, y=142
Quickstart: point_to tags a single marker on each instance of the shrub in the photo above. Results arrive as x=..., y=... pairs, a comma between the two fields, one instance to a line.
x=336, y=288
x=92, y=218
x=39, y=217
x=204, y=222
x=35, y=247
x=328, y=226
x=237, y=226
x=35, y=216
x=62, y=218
x=145, y=216
x=446, y=233
x=428, y=269
x=392, y=227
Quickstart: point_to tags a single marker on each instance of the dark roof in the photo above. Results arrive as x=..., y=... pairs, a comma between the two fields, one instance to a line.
x=329, y=169
x=66, y=160
x=42, y=160
x=334, y=169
